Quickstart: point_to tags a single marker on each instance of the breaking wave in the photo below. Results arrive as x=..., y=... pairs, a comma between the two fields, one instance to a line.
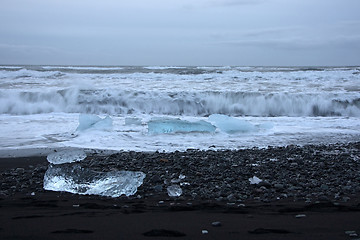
x=118, y=102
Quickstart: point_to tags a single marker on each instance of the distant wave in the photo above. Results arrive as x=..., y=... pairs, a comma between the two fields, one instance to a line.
x=81, y=68
x=163, y=67
x=14, y=73
x=38, y=71
x=177, y=103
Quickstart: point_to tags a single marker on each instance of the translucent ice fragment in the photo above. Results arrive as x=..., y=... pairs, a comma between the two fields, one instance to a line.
x=176, y=180
x=255, y=180
x=89, y=121
x=67, y=156
x=174, y=191
x=182, y=176
x=132, y=121
x=75, y=179
x=167, y=125
x=184, y=184
x=230, y=124
x=204, y=231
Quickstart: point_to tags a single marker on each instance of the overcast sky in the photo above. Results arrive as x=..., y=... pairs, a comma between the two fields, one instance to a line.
x=180, y=32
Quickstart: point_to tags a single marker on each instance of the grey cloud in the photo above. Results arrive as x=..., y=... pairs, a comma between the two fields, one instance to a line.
x=342, y=35
x=183, y=32
x=296, y=43
x=27, y=48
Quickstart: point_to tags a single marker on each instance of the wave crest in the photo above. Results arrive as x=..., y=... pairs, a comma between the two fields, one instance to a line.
x=179, y=103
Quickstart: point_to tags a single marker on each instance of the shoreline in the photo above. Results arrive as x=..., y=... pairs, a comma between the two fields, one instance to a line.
x=43, y=152
x=307, y=192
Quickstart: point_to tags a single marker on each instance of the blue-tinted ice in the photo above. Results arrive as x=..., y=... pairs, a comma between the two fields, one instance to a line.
x=166, y=125
x=75, y=179
x=174, y=191
x=255, y=180
x=132, y=121
x=230, y=124
x=89, y=121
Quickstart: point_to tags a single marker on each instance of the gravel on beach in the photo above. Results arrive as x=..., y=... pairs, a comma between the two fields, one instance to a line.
x=299, y=173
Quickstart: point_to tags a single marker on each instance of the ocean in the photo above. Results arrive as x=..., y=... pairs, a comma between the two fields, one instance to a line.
x=40, y=106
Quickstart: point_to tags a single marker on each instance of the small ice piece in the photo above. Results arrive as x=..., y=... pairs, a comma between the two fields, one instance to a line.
x=300, y=216
x=174, y=191
x=351, y=233
x=216, y=224
x=230, y=124
x=255, y=180
x=167, y=125
x=181, y=176
x=67, y=156
x=204, y=231
x=132, y=121
x=184, y=184
x=175, y=180
x=75, y=179
x=89, y=121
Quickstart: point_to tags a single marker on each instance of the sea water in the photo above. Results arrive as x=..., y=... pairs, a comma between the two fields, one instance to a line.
x=41, y=106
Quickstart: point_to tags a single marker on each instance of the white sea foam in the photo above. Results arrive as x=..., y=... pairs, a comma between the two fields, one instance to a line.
x=10, y=67
x=40, y=105
x=82, y=68
x=58, y=131
x=163, y=67
x=115, y=102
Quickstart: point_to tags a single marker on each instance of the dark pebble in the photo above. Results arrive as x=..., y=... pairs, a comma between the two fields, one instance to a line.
x=316, y=172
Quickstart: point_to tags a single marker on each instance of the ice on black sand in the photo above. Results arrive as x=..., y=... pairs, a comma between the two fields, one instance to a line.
x=174, y=191
x=75, y=179
x=255, y=180
x=66, y=156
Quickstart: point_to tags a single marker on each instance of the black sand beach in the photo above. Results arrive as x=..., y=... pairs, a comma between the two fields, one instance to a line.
x=310, y=192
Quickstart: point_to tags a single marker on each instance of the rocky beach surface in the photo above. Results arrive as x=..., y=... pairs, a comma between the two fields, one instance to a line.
x=308, y=173
x=276, y=184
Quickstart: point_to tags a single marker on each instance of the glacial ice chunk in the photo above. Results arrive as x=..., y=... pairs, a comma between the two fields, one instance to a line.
x=182, y=176
x=230, y=124
x=167, y=125
x=174, y=191
x=67, y=156
x=132, y=121
x=89, y=121
x=75, y=179
x=255, y=180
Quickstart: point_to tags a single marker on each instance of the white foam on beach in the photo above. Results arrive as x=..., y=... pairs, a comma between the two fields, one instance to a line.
x=230, y=91
x=59, y=131
x=40, y=106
